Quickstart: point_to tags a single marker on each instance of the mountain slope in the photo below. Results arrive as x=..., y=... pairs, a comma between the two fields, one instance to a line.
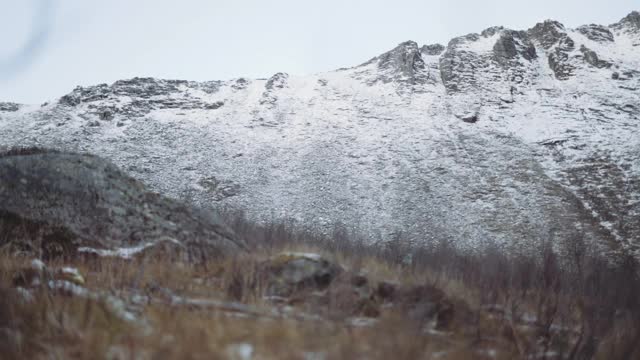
x=504, y=136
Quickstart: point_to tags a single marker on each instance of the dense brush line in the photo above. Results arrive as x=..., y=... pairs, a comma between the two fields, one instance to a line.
x=604, y=294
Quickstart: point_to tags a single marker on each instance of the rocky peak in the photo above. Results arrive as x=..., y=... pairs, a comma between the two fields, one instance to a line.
x=277, y=81
x=511, y=45
x=552, y=36
x=405, y=58
x=548, y=33
x=402, y=64
x=631, y=21
x=492, y=31
x=433, y=49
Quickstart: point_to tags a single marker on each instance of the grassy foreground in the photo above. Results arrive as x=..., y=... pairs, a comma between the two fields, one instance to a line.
x=494, y=306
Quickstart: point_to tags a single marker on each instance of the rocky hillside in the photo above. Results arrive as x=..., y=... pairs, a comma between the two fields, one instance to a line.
x=506, y=136
x=54, y=204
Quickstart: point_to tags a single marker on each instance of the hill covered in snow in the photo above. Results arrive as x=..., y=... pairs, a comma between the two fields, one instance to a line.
x=505, y=136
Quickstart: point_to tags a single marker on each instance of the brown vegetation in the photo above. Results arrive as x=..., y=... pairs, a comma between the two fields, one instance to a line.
x=392, y=300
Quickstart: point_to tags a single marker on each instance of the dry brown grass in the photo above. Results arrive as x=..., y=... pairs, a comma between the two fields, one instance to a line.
x=67, y=327
x=506, y=308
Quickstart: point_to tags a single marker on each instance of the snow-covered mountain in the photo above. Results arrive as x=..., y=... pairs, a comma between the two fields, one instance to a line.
x=504, y=136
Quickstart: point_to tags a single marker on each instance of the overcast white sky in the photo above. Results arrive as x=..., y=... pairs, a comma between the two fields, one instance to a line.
x=47, y=47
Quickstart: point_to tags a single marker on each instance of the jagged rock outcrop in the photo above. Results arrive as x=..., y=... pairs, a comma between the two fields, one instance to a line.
x=548, y=33
x=143, y=95
x=457, y=67
x=512, y=45
x=553, y=38
x=54, y=203
x=276, y=82
x=591, y=57
x=475, y=61
x=559, y=59
x=9, y=106
x=629, y=24
x=404, y=65
x=433, y=49
x=597, y=33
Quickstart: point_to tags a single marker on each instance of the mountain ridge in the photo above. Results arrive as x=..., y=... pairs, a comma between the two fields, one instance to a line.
x=502, y=136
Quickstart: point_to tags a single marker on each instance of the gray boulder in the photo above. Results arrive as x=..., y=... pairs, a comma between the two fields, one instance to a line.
x=290, y=272
x=54, y=203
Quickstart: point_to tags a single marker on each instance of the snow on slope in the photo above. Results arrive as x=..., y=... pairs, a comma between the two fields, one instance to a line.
x=509, y=137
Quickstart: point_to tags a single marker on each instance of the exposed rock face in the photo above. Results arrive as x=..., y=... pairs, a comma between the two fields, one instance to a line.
x=277, y=81
x=553, y=37
x=457, y=67
x=143, y=96
x=559, y=59
x=472, y=61
x=591, y=57
x=404, y=64
x=433, y=49
x=512, y=44
x=597, y=33
x=72, y=200
x=548, y=33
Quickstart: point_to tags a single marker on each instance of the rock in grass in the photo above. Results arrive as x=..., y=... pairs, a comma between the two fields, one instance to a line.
x=290, y=271
x=53, y=203
x=38, y=274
